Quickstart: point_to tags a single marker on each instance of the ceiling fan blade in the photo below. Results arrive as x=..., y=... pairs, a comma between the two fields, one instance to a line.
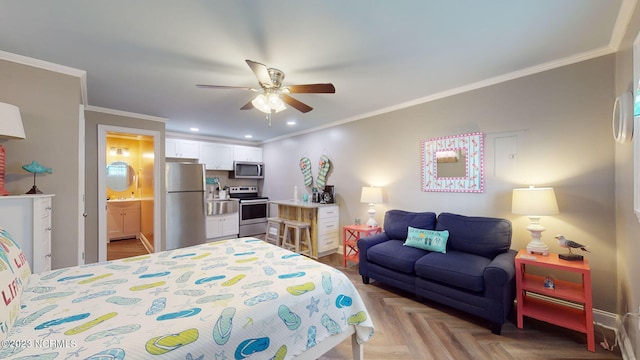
x=247, y=106
x=300, y=106
x=312, y=88
x=204, y=86
x=262, y=73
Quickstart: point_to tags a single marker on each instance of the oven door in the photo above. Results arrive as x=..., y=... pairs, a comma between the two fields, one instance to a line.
x=253, y=211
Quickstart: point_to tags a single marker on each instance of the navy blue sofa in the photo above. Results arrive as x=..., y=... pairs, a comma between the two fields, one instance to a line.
x=475, y=275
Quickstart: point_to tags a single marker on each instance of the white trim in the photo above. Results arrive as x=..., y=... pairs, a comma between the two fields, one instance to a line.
x=636, y=139
x=158, y=192
x=198, y=137
x=622, y=22
x=46, y=65
x=125, y=113
x=82, y=207
x=462, y=89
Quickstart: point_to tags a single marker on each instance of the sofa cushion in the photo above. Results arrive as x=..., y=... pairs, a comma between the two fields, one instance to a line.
x=397, y=222
x=394, y=255
x=456, y=268
x=482, y=236
x=430, y=240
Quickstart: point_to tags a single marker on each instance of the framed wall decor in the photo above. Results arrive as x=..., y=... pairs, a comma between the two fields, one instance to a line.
x=453, y=163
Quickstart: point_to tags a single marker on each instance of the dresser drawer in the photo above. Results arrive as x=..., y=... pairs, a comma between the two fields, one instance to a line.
x=44, y=207
x=328, y=241
x=328, y=226
x=328, y=212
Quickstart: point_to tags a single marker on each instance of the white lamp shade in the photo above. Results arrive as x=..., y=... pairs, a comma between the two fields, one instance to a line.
x=534, y=201
x=10, y=122
x=371, y=195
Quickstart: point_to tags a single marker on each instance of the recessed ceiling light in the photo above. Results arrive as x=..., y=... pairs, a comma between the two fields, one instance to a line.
x=194, y=129
x=290, y=123
x=248, y=136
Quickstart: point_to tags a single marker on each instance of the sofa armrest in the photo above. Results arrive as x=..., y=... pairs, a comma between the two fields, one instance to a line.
x=501, y=270
x=366, y=242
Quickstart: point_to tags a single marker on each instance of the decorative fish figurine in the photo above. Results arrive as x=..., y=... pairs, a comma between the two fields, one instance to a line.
x=36, y=168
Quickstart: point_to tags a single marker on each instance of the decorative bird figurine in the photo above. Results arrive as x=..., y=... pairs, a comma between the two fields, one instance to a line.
x=569, y=244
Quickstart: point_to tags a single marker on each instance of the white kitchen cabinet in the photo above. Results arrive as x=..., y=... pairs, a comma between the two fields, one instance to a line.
x=216, y=156
x=123, y=219
x=328, y=229
x=219, y=226
x=27, y=218
x=178, y=148
x=247, y=153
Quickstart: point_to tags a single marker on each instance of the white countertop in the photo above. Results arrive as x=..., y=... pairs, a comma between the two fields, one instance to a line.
x=299, y=203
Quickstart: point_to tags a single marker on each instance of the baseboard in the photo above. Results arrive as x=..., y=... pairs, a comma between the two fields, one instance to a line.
x=625, y=343
x=147, y=245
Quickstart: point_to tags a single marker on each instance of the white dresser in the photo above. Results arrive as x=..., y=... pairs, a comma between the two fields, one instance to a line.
x=27, y=218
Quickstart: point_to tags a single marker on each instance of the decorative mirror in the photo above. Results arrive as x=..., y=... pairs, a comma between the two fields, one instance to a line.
x=453, y=163
x=120, y=176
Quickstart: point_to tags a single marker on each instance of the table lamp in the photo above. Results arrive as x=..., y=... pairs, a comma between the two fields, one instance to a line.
x=535, y=203
x=371, y=195
x=10, y=127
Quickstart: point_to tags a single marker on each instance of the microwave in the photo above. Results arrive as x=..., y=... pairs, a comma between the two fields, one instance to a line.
x=247, y=170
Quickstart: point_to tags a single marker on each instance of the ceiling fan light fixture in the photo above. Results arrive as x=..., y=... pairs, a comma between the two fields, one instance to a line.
x=269, y=103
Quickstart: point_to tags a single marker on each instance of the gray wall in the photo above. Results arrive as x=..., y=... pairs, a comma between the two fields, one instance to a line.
x=92, y=120
x=49, y=104
x=560, y=120
x=627, y=225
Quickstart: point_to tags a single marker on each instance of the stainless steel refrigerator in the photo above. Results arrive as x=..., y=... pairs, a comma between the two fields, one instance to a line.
x=186, y=219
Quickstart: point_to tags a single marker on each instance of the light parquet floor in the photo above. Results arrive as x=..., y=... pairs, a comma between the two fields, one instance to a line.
x=415, y=330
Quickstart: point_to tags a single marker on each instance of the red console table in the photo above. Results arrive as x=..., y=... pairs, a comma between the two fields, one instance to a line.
x=350, y=236
x=578, y=318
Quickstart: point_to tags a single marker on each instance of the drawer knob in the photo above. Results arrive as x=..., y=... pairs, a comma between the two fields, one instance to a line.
x=48, y=229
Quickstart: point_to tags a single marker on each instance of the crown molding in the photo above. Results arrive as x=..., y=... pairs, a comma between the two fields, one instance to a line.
x=125, y=114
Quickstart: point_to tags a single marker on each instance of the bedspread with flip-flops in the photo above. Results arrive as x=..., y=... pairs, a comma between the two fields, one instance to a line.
x=234, y=299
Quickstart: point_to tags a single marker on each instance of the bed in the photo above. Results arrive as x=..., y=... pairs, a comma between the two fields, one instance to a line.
x=233, y=299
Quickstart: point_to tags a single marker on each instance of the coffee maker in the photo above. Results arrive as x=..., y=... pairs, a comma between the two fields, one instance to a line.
x=324, y=196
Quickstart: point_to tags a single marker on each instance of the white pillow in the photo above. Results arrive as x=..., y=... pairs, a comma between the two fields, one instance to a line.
x=14, y=274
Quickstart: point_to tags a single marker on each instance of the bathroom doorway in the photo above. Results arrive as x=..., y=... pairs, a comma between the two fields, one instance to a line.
x=128, y=208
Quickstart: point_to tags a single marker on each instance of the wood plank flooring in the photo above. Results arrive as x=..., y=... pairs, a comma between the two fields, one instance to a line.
x=410, y=329
x=119, y=249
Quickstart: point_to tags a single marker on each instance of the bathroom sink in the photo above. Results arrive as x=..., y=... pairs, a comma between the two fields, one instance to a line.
x=220, y=207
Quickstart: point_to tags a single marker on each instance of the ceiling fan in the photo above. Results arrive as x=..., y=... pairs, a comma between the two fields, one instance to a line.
x=272, y=95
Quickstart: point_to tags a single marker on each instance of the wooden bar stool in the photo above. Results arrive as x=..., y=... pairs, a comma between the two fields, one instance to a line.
x=274, y=230
x=293, y=237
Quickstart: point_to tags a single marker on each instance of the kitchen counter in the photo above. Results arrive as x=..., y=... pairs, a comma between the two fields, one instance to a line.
x=298, y=203
x=322, y=219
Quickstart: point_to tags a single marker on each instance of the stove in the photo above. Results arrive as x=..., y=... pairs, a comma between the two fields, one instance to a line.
x=253, y=211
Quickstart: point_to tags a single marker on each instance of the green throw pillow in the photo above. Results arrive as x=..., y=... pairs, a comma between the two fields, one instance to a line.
x=427, y=239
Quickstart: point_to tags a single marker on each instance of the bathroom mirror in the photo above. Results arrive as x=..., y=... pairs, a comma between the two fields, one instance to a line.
x=120, y=176
x=453, y=163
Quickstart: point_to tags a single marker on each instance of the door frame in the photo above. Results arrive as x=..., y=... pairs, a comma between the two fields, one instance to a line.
x=102, y=187
x=81, y=187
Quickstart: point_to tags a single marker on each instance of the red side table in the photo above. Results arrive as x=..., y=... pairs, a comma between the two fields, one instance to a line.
x=350, y=236
x=578, y=319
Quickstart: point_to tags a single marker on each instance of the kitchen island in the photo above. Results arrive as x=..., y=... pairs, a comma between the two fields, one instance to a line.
x=322, y=218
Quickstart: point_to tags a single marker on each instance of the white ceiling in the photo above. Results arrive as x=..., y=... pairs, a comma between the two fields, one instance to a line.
x=146, y=56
